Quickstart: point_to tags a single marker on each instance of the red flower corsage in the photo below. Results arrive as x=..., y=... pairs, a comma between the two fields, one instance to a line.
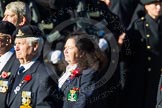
x=27, y=78
x=74, y=73
x=76, y=88
x=5, y=75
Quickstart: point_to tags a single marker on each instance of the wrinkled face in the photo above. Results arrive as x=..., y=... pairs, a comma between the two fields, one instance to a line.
x=154, y=9
x=70, y=51
x=23, y=50
x=10, y=17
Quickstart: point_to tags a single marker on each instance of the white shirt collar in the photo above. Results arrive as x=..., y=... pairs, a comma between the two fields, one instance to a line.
x=66, y=75
x=28, y=65
x=5, y=57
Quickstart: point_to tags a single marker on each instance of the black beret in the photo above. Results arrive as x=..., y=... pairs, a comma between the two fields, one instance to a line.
x=7, y=27
x=28, y=31
x=150, y=1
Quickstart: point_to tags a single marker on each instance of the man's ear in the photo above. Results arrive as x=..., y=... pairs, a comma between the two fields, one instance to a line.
x=35, y=46
x=22, y=21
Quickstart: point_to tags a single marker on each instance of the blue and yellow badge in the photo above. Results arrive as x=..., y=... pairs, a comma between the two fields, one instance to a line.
x=26, y=99
x=73, y=95
x=3, y=86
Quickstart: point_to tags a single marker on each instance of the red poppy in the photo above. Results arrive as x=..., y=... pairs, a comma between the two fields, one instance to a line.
x=5, y=74
x=27, y=78
x=76, y=88
x=74, y=73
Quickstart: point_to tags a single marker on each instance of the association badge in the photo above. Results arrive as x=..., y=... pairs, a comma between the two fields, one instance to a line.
x=73, y=95
x=26, y=99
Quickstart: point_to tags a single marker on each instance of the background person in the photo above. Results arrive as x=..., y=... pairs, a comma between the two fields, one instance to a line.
x=18, y=13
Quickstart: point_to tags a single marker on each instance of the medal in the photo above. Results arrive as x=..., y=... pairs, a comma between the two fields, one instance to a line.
x=26, y=99
x=3, y=86
x=26, y=79
x=17, y=89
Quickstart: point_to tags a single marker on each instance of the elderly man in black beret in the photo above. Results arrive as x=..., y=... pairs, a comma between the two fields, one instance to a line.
x=145, y=36
x=33, y=84
x=8, y=60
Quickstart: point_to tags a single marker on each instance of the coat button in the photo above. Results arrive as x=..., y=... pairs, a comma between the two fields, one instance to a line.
x=147, y=35
x=148, y=47
x=142, y=18
x=147, y=25
x=142, y=40
x=149, y=58
x=149, y=69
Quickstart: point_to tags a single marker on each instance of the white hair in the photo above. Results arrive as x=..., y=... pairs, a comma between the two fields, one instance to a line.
x=32, y=40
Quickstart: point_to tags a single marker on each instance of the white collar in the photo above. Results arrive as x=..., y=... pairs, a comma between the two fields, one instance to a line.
x=5, y=57
x=71, y=67
x=7, y=54
x=27, y=66
x=66, y=75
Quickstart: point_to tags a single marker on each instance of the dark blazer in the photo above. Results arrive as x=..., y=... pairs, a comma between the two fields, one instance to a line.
x=84, y=82
x=41, y=86
x=159, y=94
x=12, y=64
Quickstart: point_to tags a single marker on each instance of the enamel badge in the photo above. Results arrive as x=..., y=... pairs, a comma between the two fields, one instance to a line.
x=3, y=86
x=26, y=99
x=73, y=95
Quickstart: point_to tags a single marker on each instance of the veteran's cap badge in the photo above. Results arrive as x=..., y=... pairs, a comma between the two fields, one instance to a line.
x=20, y=33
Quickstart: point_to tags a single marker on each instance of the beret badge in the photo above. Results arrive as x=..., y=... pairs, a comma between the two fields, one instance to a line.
x=20, y=33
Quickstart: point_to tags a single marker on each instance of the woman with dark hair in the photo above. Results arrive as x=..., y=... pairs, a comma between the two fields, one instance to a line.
x=83, y=61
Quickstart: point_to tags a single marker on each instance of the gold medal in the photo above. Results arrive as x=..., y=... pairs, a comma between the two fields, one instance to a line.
x=26, y=99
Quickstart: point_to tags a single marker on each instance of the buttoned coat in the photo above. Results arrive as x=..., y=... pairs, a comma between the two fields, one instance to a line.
x=145, y=61
x=41, y=86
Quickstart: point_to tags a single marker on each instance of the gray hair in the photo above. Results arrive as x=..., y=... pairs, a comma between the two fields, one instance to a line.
x=32, y=40
x=21, y=9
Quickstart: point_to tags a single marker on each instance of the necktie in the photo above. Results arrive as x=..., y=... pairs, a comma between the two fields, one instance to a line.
x=21, y=69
